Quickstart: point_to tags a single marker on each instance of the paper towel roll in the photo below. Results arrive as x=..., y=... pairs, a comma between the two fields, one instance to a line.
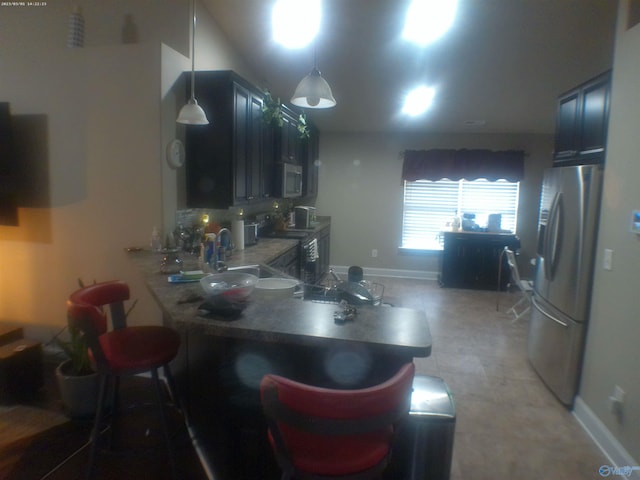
x=237, y=230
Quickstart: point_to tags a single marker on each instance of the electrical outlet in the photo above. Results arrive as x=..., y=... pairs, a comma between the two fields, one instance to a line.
x=607, y=259
x=374, y=252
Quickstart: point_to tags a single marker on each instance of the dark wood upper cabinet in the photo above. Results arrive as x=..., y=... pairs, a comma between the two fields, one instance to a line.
x=582, y=122
x=226, y=162
x=237, y=159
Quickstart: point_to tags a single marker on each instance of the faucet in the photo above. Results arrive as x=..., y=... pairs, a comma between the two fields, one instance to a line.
x=223, y=249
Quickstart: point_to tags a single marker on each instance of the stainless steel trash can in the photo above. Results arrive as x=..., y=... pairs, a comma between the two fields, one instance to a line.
x=424, y=446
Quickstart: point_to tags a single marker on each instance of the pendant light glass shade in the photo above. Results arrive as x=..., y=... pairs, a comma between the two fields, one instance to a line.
x=192, y=113
x=313, y=91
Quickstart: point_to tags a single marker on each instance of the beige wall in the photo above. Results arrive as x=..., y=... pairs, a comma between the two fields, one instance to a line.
x=613, y=344
x=360, y=188
x=104, y=115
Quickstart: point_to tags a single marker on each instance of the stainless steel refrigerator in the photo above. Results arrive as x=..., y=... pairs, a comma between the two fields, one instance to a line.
x=567, y=228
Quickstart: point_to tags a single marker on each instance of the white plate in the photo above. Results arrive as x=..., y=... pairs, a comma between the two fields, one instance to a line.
x=275, y=287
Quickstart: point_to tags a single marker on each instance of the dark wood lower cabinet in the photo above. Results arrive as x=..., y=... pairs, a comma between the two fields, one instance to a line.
x=473, y=260
x=288, y=262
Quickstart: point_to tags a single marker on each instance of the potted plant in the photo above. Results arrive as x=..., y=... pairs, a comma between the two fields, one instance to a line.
x=271, y=110
x=272, y=116
x=303, y=128
x=77, y=380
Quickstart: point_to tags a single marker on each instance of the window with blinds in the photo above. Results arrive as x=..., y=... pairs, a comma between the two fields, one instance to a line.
x=430, y=206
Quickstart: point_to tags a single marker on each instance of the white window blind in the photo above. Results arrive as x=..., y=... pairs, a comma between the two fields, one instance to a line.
x=430, y=206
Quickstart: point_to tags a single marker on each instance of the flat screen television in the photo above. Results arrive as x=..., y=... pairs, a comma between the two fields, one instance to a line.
x=7, y=166
x=8, y=169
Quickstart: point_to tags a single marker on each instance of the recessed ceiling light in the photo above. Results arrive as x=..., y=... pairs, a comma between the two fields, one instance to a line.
x=428, y=20
x=418, y=101
x=295, y=23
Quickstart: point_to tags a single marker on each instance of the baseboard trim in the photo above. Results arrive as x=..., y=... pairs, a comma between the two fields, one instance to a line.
x=604, y=439
x=390, y=272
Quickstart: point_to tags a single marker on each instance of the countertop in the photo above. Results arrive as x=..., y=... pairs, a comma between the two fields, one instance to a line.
x=293, y=321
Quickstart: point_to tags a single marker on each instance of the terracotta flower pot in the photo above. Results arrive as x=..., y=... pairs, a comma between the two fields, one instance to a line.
x=79, y=393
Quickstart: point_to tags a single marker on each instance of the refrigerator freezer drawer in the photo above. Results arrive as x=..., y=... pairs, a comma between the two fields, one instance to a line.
x=555, y=347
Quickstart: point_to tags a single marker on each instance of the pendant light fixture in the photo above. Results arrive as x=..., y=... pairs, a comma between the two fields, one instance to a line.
x=192, y=113
x=313, y=91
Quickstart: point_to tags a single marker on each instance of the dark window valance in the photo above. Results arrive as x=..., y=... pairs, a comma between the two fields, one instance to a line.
x=463, y=164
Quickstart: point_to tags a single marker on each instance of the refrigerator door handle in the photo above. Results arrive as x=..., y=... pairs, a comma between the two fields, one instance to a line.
x=553, y=238
x=547, y=239
x=550, y=317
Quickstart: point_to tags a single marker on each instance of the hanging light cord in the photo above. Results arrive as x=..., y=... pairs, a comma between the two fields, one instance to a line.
x=193, y=52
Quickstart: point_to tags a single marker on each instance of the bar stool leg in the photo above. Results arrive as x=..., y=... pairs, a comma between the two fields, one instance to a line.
x=173, y=392
x=163, y=419
x=95, y=432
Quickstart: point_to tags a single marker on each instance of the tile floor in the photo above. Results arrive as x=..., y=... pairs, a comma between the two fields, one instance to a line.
x=508, y=424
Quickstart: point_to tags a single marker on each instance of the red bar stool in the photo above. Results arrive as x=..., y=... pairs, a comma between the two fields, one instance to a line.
x=320, y=433
x=121, y=351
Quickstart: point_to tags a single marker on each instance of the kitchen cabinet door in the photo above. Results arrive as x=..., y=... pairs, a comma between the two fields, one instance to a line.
x=256, y=151
x=595, y=116
x=267, y=174
x=241, y=133
x=310, y=156
x=567, y=125
x=289, y=139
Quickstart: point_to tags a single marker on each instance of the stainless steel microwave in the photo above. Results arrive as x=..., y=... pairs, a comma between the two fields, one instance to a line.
x=291, y=180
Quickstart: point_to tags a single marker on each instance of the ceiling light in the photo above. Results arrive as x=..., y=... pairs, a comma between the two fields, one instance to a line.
x=295, y=23
x=428, y=20
x=313, y=91
x=418, y=101
x=192, y=113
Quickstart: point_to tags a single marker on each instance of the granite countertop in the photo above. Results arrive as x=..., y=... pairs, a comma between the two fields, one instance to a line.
x=288, y=321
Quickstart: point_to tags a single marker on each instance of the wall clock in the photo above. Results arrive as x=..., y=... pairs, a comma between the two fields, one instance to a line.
x=175, y=153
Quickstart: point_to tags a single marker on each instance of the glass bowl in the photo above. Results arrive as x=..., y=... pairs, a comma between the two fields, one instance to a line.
x=230, y=286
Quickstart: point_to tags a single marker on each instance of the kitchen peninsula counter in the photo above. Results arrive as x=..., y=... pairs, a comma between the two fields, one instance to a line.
x=291, y=321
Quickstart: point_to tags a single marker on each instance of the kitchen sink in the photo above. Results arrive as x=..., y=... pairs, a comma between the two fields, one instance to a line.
x=297, y=234
x=260, y=271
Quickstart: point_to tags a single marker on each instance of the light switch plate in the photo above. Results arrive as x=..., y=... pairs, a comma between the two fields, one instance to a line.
x=607, y=259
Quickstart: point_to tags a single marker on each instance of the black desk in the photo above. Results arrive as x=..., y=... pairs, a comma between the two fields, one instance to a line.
x=472, y=259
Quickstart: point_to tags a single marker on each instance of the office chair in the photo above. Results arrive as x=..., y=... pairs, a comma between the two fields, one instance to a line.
x=321, y=433
x=121, y=351
x=525, y=287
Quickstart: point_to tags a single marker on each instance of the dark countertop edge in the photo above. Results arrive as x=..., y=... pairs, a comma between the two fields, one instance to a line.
x=212, y=326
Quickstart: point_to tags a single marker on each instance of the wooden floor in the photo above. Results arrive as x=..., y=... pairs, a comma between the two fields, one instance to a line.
x=36, y=437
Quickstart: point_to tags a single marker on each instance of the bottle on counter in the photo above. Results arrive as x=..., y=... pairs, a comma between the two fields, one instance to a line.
x=455, y=224
x=156, y=243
